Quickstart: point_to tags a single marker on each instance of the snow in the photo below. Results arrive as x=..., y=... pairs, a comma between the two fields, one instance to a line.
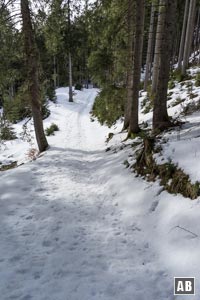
x=76, y=224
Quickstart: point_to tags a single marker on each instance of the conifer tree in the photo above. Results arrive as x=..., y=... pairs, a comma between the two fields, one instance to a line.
x=189, y=35
x=32, y=74
x=181, y=48
x=137, y=61
x=164, y=42
x=151, y=38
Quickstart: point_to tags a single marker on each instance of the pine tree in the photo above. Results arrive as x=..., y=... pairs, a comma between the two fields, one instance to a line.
x=137, y=61
x=69, y=53
x=181, y=48
x=32, y=74
x=130, y=45
x=164, y=38
x=158, y=45
x=150, y=50
x=189, y=35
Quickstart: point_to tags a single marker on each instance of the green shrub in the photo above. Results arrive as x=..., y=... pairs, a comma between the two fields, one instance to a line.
x=45, y=110
x=48, y=90
x=6, y=131
x=147, y=104
x=171, y=84
x=50, y=130
x=177, y=101
x=197, y=80
x=144, y=102
x=178, y=76
x=190, y=108
x=51, y=94
x=148, y=107
x=109, y=105
x=189, y=86
x=192, y=95
x=78, y=86
x=9, y=166
x=172, y=178
x=18, y=108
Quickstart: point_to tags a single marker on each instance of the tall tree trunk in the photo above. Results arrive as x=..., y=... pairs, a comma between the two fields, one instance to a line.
x=54, y=71
x=70, y=79
x=181, y=48
x=167, y=18
x=137, y=62
x=70, y=55
x=189, y=35
x=130, y=28
x=32, y=75
x=150, y=45
x=176, y=39
x=158, y=45
x=197, y=32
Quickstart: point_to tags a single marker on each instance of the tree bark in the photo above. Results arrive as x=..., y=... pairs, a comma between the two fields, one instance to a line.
x=54, y=72
x=167, y=14
x=176, y=39
x=130, y=27
x=137, y=62
x=70, y=55
x=158, y=45
x=150, y=45
x=32, y=75
x=197, y=32
x=70, y=79
x=180, y=56
x=189, y=35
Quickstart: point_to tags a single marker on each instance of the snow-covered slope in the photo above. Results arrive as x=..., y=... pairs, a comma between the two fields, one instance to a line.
x=76, y=224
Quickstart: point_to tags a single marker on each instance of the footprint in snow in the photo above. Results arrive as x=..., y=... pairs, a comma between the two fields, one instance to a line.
x=56, y=228
x=46, y=243
x=25, y=234
x=40, y=190
x=22, y=271
x=25, y=189
x=15, y=258
x=36, y=276
x=117, y=233
x=11, y=213
x=27, y=297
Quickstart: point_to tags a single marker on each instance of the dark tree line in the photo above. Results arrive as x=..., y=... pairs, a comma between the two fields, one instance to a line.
x=108, y=42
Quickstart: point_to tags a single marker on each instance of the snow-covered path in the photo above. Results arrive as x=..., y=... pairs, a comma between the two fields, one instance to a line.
x=67, y=229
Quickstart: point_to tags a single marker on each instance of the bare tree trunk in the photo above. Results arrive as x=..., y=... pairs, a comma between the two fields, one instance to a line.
x=137, y=62
x=150, y=45
x=181, y=48
x=58, y=77
x=198, y=38
x=197, y=31
x=32, y=75
x=189, y=35
x=54, y=71
x=70, y=79
x=168, y=12
x=158, y=45
x=130, y=27
x=70, y=55
x=175, y=48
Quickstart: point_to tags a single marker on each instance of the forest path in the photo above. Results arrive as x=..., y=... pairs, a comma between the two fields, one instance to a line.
x=64, y=235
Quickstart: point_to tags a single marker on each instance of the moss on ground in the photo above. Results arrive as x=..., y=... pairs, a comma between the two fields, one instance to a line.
x=12, y=165
x=172, y=178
